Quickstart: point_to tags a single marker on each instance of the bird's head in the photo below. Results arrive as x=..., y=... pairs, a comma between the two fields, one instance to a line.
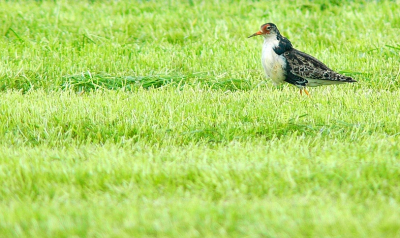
x=267, y=30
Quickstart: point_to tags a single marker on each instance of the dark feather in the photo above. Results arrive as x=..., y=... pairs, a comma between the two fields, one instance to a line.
x=305, y=66
x=284, y=45
x=296, y=80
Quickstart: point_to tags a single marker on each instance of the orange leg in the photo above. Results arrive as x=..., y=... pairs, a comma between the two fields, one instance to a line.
x=305, y=90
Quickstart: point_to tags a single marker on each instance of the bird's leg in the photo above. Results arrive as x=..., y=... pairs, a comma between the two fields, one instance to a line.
x=305, y=90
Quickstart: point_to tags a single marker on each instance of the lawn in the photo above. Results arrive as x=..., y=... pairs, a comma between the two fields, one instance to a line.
x=155, y=119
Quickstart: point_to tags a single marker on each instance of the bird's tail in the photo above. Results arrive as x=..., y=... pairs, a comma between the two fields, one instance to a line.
x=345, y=79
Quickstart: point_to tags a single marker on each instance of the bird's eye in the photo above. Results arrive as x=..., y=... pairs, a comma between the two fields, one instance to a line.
x=268, y=28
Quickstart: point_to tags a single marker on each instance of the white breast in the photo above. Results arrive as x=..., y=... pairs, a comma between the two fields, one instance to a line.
x=274, y=65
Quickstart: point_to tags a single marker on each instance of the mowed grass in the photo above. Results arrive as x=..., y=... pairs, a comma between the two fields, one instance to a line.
x=150, y=119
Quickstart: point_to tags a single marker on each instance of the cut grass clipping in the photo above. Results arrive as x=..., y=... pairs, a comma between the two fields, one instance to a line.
x=89, y=82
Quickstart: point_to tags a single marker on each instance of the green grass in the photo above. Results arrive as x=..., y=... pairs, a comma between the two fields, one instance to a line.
x=154, y=119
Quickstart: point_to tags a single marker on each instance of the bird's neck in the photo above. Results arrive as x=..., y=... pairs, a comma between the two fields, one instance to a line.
x=271, y=40
x=278, y=43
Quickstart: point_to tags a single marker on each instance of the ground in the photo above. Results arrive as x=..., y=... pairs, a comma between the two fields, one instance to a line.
x=142, y=119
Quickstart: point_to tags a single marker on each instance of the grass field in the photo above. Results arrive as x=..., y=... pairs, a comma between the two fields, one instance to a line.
x=155, y=119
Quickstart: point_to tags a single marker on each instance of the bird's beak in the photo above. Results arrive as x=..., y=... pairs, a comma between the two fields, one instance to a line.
x=256, y=34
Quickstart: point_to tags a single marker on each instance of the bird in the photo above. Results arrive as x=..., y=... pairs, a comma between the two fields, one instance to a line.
x=283, y=63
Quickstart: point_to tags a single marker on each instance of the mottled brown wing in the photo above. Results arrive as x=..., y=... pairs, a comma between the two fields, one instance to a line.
x=307, y=67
